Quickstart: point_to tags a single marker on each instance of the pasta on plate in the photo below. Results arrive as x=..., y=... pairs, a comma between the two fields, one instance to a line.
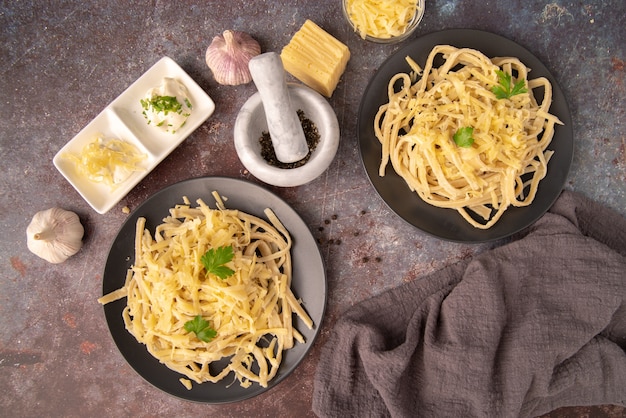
x=250, y=310
x=508, y=153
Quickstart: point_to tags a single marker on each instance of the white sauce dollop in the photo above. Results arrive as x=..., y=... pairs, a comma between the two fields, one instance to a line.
x=167, y=106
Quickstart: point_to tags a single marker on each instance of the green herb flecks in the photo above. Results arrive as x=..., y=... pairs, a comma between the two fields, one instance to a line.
x=503, y=90
x=214, y=260
x=165, y=104
x=201, y=328
x=463, y=137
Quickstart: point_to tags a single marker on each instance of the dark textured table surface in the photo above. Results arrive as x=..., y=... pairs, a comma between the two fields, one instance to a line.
x=64, y=61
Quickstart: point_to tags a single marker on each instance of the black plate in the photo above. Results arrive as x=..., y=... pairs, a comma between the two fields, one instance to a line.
x=309, y=282
x=448, y=224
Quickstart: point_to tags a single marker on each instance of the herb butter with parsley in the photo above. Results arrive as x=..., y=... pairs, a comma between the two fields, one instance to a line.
x=167, y=106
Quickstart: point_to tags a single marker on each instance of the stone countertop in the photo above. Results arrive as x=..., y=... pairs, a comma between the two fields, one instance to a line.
x=64, y=61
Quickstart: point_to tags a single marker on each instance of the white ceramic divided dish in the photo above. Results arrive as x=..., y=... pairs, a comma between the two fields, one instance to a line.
x=251, y=123
x=123, y=119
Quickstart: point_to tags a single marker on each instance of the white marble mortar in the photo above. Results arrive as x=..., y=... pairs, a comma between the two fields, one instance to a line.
x=251, y=123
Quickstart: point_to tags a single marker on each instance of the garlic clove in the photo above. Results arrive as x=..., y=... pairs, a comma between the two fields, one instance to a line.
x=55, y=235
x=228, y=55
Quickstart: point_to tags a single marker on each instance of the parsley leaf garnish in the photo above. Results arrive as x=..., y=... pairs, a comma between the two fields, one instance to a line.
x=463, y=137
x=214, y=260
x=504, y=91
x=201, y=328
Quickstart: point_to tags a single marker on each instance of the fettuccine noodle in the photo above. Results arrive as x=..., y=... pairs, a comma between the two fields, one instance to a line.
x=251, y=310
x=509, y=156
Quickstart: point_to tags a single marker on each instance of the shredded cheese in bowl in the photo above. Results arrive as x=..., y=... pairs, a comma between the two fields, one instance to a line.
x=384, y=21
x=250, y=311
x=107, y=160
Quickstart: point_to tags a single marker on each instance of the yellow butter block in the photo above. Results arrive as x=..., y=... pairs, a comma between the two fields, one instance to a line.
x=316, y=58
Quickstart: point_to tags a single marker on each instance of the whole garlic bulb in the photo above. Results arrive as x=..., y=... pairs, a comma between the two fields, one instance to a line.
x=228, y=57
x=55, y=234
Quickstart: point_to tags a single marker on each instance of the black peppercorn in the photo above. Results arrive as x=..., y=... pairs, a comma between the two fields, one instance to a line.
x=311, y=135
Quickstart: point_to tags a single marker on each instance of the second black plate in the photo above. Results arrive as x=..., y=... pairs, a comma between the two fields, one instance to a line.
x=447, y=223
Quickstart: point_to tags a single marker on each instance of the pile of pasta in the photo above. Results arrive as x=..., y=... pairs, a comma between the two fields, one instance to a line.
x=251, y=310
x=509, y=155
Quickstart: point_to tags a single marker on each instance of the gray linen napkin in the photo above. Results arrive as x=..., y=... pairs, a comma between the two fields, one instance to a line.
x=519, y=330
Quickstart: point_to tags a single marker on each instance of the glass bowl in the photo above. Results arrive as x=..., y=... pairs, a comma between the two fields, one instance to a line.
x=410, y=28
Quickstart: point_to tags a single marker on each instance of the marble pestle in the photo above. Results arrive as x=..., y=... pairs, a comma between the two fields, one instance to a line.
x=283, y=123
